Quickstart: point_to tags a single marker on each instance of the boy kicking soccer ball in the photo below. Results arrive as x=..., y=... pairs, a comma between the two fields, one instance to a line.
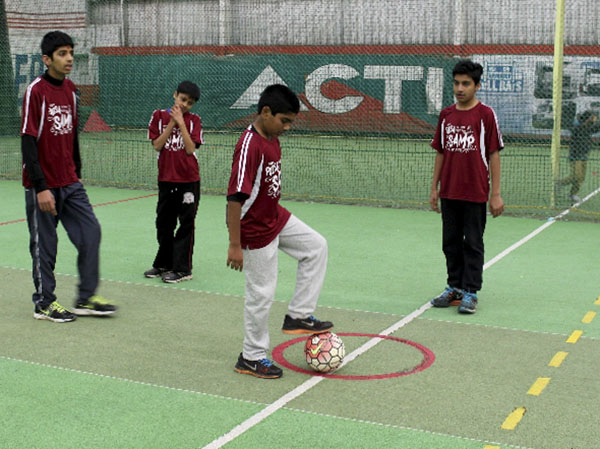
x=259, y=226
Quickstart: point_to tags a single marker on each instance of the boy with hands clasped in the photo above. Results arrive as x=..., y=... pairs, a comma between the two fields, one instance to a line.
x=176, y=133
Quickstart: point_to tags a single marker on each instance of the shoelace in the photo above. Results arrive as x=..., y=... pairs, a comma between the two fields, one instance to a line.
x=266, y=362
x=469, y=296
x=98, y=300
x=56, y=306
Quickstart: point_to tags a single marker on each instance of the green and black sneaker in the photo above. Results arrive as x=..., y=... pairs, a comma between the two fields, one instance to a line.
x=53, y=312
x=96, y=306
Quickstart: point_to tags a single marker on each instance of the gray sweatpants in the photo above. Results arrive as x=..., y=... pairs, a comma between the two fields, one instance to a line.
x=77, y=216
x=309, y=248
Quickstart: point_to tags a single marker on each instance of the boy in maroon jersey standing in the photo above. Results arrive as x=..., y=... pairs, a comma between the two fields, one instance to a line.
x=259, y=226
x=53, y=191
x=176, y=133
x=468, y=143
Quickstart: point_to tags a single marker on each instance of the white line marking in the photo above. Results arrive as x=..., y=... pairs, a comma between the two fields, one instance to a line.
x=304, y=387
x=183, y=390
x=549, y=223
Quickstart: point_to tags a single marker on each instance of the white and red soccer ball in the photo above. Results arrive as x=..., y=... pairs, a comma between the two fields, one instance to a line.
x=324, y=352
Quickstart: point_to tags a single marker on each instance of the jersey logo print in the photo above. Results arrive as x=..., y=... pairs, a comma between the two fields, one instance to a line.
x=460, y=138
x=175, y=140
x=61, y=118
x=273, y=178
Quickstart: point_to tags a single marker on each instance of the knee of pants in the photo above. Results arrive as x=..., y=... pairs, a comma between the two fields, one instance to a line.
x=95, y=232
x=321, y=244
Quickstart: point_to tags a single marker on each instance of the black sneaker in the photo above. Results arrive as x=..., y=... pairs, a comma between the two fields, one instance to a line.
x=449, y=297
x=155, y=272
x=265, y=369
x=96, y=305
x=173, y=277
x=308, y=325
x=53, y=312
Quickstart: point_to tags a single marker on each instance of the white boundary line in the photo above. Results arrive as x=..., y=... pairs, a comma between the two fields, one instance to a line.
x=307, y=385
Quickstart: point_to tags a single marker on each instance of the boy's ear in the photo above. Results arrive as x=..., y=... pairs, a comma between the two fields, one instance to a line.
x=175, y=94
x=266, y=111
x=47, y=60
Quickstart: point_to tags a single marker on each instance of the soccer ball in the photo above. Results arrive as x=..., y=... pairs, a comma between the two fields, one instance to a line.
x=324, y=352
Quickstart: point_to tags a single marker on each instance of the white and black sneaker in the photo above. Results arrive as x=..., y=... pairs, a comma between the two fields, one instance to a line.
x=309, y=325
x=173, y=277
x=155, y=272
x=265, y=369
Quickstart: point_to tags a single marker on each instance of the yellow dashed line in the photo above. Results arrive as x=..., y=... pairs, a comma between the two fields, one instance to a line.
x=538, y=386
x=487, y=446
x=513, y=419
x=574, y=336
x=558, y=358
x=588, y=317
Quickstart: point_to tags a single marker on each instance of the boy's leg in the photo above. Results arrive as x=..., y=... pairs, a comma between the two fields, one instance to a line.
x=260, y=270
x=166, y=221
x=183, y=244
x=474, y=227
x=579, y=170
x=452, y=240
x=82, y=226
x=309, y=248
x=42, y=247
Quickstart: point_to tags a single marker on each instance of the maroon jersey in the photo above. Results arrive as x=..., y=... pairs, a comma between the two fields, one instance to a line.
x=174, y=164
x=466, y=139
x=256, y=172
x=50, y=115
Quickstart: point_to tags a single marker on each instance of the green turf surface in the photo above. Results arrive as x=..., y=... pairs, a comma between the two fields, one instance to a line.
x=160, y=373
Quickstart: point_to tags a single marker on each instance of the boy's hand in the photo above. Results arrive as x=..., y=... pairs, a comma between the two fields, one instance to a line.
x=235, y=257
x=46, y=202
x=177, y=115
x=496, y=205
x=433, y=201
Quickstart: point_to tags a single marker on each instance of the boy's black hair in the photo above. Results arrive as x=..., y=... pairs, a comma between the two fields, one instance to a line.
x=469, y=68
x=280, y=99
x=189, y=88
x=53, y=40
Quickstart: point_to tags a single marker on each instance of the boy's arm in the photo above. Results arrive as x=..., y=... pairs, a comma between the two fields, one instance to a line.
x=496, y=202
x=76, y=153
x=160, y=141
x=235, y=257
x=176, y=115
x=45, y=198
x=437, y=170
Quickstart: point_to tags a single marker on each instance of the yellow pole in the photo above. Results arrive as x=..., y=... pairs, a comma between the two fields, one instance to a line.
x=559, y=33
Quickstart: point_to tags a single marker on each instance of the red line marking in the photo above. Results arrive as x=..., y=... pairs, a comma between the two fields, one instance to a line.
x=93, y=205
x=428, y=358
x=125, y=200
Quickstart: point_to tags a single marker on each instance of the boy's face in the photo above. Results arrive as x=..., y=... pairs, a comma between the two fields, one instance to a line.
x=184, y=101
x=61, y=62
x=465, y=89
x=276, y=125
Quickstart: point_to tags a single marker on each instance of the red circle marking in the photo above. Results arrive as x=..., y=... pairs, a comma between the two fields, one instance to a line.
x=428, y=358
